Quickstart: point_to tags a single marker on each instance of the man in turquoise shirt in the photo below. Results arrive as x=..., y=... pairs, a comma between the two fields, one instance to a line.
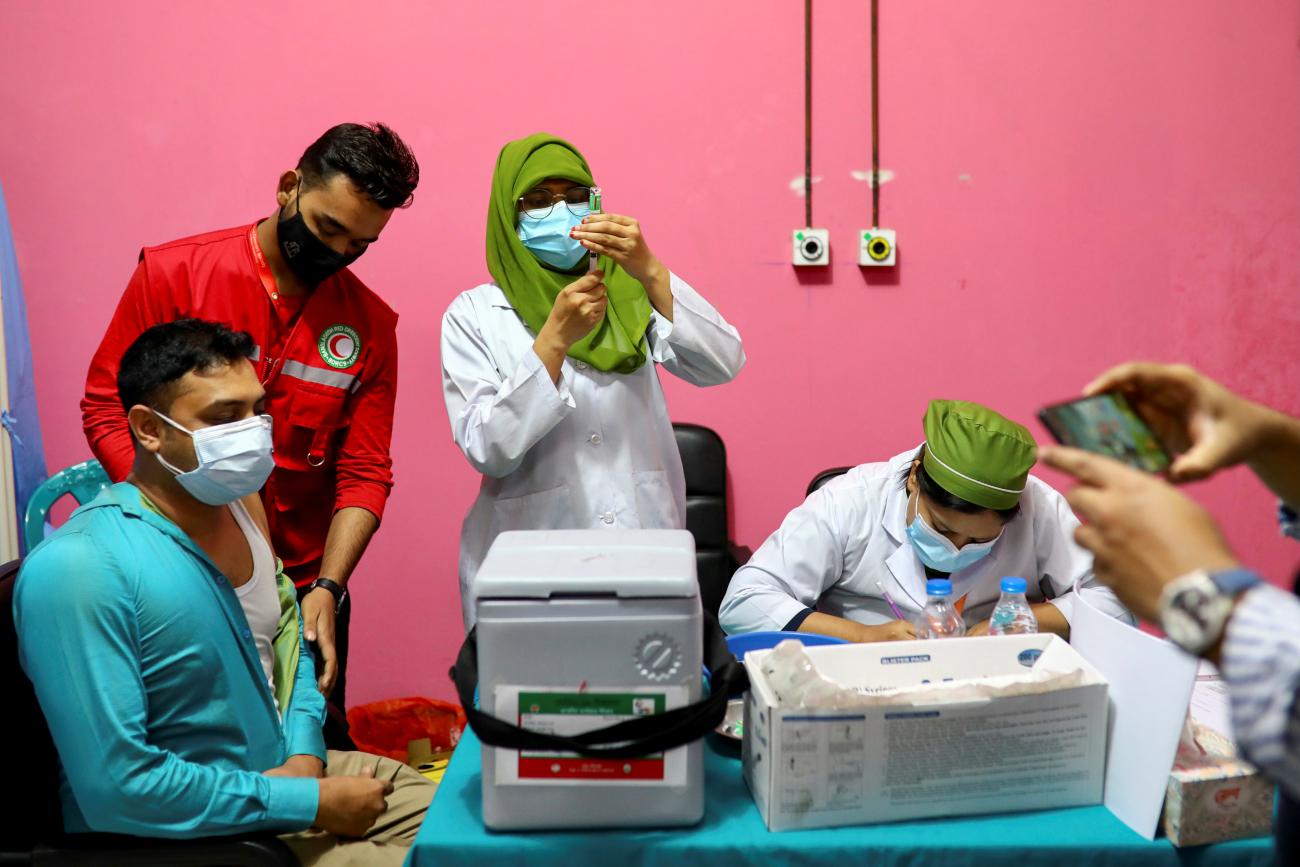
x=167, y=720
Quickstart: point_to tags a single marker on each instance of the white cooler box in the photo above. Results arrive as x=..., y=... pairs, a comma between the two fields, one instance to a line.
x=578, y=630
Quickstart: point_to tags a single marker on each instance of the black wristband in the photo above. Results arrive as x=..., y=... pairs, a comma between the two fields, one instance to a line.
x=337, y=590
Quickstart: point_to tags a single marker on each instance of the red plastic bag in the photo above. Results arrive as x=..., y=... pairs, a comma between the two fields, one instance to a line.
x=385, y=728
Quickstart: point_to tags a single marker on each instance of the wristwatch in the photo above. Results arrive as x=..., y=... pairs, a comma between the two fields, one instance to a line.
x=1195, y=607
x=337, y=590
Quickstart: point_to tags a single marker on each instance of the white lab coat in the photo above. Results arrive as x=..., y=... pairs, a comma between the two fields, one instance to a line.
x=595, y=451
x=846, y=546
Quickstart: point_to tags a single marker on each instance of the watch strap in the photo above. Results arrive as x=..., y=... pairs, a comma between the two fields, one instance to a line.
x=337, y=590
x=1234, y=581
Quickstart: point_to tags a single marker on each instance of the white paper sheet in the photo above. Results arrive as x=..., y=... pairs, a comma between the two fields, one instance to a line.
x=1211, y=705
x=1150, y=685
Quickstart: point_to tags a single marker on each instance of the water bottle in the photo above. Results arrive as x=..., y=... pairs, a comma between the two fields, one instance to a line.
x=1012, y=615
x=939, y=619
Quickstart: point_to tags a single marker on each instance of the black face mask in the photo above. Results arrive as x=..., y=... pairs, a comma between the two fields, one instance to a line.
x=310, y=258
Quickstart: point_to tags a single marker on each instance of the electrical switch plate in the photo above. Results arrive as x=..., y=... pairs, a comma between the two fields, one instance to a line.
x=811, y=247
x=877, y=248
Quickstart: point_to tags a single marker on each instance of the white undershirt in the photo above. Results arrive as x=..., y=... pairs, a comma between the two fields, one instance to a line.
x=258, y=595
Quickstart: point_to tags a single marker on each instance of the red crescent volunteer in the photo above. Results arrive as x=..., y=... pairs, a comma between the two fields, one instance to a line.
x=326, y=353
x=330, y=374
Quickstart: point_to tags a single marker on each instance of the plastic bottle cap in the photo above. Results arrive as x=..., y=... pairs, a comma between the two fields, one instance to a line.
x=1013, y=585
x=938, y=587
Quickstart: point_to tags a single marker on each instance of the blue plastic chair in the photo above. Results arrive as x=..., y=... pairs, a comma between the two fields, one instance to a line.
x=742, y=644
x=82, y=482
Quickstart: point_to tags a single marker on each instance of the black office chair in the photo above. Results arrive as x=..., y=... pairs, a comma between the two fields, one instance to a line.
x=823, y=477
x=32, y=830
x=704, y=462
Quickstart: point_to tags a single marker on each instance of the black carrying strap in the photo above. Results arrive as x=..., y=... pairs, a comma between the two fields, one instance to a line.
x=632, y=738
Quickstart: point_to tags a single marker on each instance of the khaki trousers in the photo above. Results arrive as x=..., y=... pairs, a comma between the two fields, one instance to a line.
x=391, y=836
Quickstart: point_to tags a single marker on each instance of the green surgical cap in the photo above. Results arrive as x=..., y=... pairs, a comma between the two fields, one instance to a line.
x=977, y=454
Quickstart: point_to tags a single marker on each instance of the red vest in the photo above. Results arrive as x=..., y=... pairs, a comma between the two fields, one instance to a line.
x=330, y=377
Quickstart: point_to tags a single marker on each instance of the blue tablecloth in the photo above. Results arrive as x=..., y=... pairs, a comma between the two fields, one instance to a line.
x=732, y=833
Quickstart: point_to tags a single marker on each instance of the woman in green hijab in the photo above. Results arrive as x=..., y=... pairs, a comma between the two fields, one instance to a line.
x=549, y=371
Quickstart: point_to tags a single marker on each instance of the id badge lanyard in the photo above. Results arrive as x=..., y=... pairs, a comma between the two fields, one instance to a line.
x=271, y=367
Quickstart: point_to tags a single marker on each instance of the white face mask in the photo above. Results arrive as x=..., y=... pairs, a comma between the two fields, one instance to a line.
x=234, y=459
x=938, y=552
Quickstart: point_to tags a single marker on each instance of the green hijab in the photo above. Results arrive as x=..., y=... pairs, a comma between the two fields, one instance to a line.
x=617, y=344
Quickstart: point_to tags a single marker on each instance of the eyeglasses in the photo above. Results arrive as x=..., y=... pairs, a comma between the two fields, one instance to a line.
x=537, y=203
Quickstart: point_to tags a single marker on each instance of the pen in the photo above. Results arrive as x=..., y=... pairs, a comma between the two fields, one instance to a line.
x=893, y=606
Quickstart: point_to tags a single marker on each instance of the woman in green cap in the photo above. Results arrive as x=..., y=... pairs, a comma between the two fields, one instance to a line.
x=853, y=560
x=549, y=370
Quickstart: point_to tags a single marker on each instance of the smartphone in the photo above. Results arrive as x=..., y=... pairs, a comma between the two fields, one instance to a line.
x=1108, y=425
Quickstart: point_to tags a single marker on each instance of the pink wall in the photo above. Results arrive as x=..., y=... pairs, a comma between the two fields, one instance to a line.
x=1077, y=184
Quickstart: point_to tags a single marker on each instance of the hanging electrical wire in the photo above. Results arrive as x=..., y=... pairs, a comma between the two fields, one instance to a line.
x=875, y=117
x=807, y=112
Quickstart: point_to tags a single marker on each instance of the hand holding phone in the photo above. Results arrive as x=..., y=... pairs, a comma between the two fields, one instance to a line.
x=1207, y=426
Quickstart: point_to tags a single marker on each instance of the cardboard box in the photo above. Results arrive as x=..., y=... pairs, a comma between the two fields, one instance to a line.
x=813, y=768
x=1214, y=796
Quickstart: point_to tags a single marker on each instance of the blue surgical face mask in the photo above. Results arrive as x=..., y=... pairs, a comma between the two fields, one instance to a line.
x=234, y=459
x=548, y=238
x=937, y=552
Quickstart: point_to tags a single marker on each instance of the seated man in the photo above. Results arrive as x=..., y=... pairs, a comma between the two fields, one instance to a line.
x=166, y=647
x=853, y=560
